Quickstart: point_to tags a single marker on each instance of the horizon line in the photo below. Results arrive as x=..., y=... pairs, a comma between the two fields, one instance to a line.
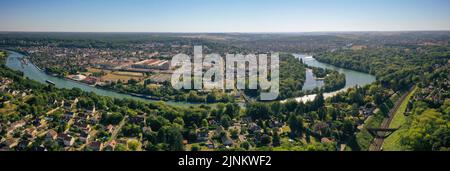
x=227, y=32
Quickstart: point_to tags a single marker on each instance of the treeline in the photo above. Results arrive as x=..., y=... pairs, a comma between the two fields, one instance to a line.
x=167, y=93
x=333, y=80
x=320, y=72
x=396, y=67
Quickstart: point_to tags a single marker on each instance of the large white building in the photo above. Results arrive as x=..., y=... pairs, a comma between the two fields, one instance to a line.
x=153, y=64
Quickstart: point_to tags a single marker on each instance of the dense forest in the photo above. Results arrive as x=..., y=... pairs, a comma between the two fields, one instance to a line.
x=292, y=76
x=396, y=67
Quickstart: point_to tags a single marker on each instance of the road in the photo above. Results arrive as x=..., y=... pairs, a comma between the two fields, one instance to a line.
x=117, y=130
x=72, y=120
x=377, y=144
x=52, y=111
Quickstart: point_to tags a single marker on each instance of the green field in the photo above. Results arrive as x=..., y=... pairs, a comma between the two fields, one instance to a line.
x=392, y=143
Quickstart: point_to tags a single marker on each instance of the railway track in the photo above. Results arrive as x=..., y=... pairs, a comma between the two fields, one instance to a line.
x=377, y=144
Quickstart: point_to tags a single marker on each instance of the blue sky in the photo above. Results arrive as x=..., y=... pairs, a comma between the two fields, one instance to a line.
x=223, y=15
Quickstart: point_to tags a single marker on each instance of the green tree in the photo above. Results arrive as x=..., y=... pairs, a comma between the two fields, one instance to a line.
x=225, y=121
x=276, y=139
x=232, y=110
x=296, y=125
x=259, y=111
x=429, y=131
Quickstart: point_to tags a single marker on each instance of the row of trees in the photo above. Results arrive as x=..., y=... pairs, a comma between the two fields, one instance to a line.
x=167, y=92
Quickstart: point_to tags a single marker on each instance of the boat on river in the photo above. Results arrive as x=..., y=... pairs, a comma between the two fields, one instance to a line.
x=50, y=82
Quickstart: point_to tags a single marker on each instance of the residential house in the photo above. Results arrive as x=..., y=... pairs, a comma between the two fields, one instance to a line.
x=326, y=140
x=227, y=141
x=18, y=124
x=246, y=120
x=111, y=146
x=11, y=142
x=66, y=139
x=51, y=135
x=210, y=144
x=253, y=127
x=31, y=132
x=110, y=128
x=138, y=120
x=242, y=138
x=202, y=136
x=84, y=137
x=23, y=145
x=95, y=145
x=367, y=110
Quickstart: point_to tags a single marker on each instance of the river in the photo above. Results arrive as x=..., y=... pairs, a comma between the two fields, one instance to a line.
x=353, y=78
x=31, y=71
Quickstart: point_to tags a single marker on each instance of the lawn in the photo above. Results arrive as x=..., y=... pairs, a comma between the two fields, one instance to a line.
x=392, y=143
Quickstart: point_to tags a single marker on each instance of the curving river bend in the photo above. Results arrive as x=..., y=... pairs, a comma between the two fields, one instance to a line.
x=353, y=78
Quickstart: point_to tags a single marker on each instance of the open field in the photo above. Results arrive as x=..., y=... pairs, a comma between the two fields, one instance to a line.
x=93, y=70
x=123, y=76
x=392, y=143
x=159, y=78
x=133, y=74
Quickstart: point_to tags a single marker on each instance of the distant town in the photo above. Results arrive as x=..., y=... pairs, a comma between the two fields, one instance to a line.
x=104, y=66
